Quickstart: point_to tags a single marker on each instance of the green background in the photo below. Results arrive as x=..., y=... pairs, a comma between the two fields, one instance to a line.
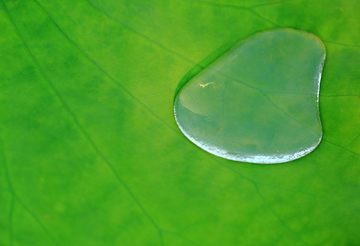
x=91, y=154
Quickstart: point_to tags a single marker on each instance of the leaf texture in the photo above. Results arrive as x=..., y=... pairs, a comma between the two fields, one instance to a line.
x=90, y=152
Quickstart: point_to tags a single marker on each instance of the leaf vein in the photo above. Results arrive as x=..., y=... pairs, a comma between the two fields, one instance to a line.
x=16, y=197
x=278, y=216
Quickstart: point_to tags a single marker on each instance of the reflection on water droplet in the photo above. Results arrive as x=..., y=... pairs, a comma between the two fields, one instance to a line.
x=259, y=102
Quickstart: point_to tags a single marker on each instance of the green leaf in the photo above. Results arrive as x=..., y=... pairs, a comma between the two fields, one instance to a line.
x=90, y=151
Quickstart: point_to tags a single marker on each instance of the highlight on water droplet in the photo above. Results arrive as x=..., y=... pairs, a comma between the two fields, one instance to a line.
x=259, y=102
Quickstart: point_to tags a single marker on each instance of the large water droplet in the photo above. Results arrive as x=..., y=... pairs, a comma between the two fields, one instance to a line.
x=259, y=102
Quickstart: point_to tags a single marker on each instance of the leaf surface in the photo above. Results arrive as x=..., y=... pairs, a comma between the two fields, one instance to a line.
x=90, y=151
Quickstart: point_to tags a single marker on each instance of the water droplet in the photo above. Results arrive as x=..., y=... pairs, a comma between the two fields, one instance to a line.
x=259, y=102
